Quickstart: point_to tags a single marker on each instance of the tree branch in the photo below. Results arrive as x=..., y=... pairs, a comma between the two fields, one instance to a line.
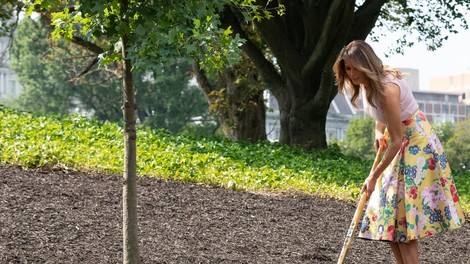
x=202, y=80
x=327, y=34
x=266, y=69
x=280, y=44
x=365, y=18
x=86, y=70
x=87, y=45
x=91, y=47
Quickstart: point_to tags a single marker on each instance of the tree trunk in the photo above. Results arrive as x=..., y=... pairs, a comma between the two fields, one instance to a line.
x=129, y=194
x=237, y=101
x=303, y=115
x=129, y=190
x=246, y=111
x=303, y=127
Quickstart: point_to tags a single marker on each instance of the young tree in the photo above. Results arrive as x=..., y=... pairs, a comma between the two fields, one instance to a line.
x=304, y=42
x=141, y=33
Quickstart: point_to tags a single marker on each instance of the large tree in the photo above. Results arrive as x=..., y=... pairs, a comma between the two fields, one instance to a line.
x=303, y=43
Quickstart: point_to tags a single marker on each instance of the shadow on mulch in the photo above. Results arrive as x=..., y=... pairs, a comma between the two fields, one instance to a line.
x=57, y=217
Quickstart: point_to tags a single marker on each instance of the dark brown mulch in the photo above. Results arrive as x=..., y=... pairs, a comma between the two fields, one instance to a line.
x=58, y=217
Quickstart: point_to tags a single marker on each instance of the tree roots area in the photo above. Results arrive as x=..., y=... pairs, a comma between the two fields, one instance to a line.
x=58, y=217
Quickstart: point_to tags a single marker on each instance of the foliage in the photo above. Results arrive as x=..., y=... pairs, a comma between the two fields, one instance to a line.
x=8, y=15
x=164, y=98
x=444, y=131
x=158, y=30
x=71, y=142
x=360, y=138
x=298, y=40
x=45, y=89
x=458, y=146
x=430, y=22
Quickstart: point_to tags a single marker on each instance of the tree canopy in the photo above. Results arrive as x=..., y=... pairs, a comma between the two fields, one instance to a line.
x=50, y=84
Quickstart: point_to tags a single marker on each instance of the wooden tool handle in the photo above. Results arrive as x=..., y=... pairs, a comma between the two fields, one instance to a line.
x=359, y=209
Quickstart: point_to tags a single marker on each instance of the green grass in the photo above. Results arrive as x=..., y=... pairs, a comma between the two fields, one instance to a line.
x=74, y=142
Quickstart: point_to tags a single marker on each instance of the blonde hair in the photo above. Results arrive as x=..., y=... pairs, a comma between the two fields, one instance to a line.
x=364, y=59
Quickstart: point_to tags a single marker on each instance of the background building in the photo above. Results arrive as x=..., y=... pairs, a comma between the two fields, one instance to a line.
x=411, y=77
x=441, y=107
x=9, y=85
x=459, y=83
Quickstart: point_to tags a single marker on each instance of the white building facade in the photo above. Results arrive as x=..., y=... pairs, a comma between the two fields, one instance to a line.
x=9, y=85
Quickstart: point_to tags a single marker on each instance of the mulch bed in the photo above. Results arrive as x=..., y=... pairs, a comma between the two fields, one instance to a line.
x=58, y=217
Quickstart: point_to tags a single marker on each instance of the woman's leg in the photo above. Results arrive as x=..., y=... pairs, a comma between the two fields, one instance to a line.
x=409, y=252
x=396, y=252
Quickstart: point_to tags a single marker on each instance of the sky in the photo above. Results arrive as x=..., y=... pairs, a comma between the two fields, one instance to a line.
x=453, y=57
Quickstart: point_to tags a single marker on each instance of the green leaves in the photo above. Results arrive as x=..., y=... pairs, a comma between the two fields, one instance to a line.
x=251, y=11
x=158, y=30
x=59, y=141
x=359, y=138
x=458, y=146
x=430, y=22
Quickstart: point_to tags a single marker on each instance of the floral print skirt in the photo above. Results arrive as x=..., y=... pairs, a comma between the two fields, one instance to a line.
x=416, y=196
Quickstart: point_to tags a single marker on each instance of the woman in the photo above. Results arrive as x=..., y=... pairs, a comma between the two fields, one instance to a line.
x=412, y=192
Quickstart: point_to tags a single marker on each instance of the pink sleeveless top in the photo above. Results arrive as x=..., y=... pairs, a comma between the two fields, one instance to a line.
x=408, y=104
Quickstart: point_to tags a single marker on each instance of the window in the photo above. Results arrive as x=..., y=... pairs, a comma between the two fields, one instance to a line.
x=428, y=108
x=461, y=110
x=11, y=87
x=421, y=106
x=437, y=108
x=445, y=109
x=453, y=109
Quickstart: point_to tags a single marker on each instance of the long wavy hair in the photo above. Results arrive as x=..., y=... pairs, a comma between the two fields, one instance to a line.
x=363, y=58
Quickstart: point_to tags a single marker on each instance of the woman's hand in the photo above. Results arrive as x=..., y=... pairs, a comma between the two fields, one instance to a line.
x=381, y=142
x=379, y=135
x=376, y=144
x=369, y=185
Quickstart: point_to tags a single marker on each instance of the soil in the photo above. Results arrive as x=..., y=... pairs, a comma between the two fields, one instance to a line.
x=72, y=217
